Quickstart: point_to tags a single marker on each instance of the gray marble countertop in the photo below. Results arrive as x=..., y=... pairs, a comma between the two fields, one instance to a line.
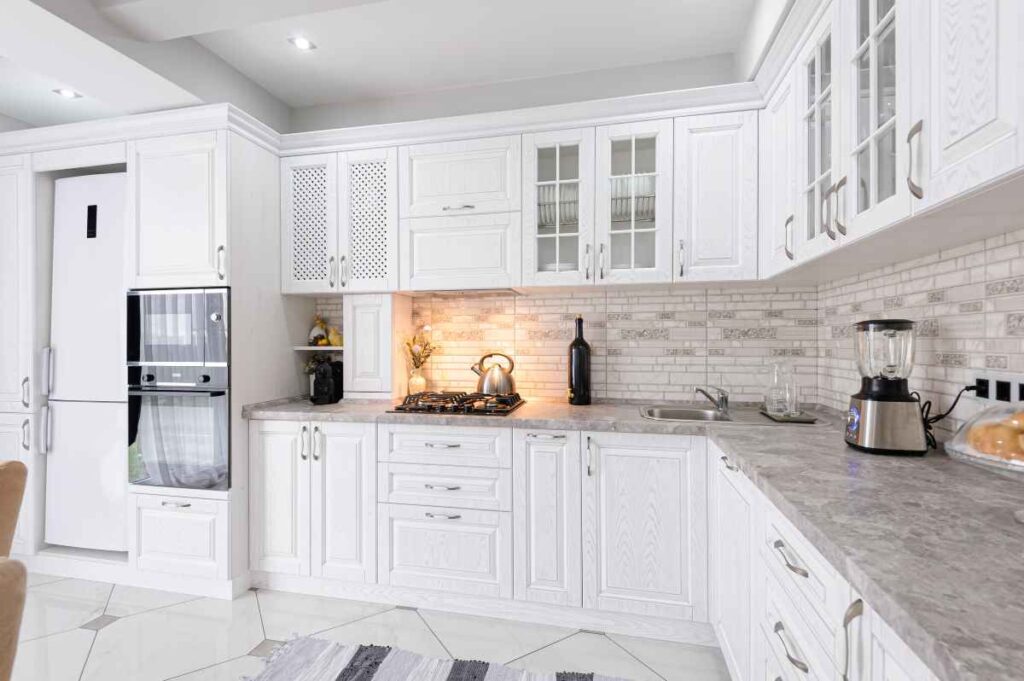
x=932, y=544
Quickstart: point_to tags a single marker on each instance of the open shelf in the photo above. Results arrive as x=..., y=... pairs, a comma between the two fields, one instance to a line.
x=318, y=348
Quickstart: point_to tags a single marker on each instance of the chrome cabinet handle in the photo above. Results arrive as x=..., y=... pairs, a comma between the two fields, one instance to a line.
x=302, y=444
x=840, y=227
x=681, y=242
x=731, y=466
x=465, y=206
x=24, y=435
x=796, y=662
x=915, y=189
x=47, y=430
x=600, y=261
x=780, y=546
x=826, y=213
x=47, y=370
x=545, y=436
x=341, y=271
x=787, y=234
x=855, y=610
x=25, y=396
x=220, y=262
x=443, y=516
x=441, y=445
x=443, y=488
x=586, y=260
x=176, y=504
x=330, y=272
x=315, y=444
x=590, y=459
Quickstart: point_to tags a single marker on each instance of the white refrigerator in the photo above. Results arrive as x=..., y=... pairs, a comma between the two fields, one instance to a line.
x=86, y=421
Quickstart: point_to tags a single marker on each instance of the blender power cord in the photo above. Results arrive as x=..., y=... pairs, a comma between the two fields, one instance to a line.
x=926, y=408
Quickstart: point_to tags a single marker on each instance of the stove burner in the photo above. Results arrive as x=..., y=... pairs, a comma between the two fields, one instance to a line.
x=459, y=403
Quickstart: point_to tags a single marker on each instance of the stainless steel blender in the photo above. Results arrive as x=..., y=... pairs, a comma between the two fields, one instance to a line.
x=885, y=417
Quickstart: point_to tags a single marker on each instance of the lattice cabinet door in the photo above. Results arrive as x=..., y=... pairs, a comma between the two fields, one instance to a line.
x=368, y=220
x=309, y=224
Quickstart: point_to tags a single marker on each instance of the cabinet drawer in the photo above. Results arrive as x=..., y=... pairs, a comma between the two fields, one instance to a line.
x=789, y=636
x=487, y=489
x=445, y=549
x=180, y=536
x=445, y=445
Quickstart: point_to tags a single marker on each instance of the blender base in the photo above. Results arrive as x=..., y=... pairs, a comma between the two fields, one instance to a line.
x=891, y=427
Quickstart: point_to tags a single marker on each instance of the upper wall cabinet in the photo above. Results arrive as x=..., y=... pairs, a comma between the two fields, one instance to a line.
x=16, y=272
x=461, y=252
x=633, y=212
x=558, y=208
x=178, y=211
x=967, y=95
x=339, y=223
x=777, y=158
x=460, y=178
x=716, y=196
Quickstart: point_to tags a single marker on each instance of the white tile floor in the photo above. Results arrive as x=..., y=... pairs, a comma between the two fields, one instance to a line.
x=143, y=635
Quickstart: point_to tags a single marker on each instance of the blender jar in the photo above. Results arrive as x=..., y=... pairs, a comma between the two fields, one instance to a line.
x=885, y=348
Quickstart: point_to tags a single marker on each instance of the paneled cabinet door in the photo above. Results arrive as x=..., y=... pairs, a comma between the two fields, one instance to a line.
x=716, y=197
x=644, y=525
x=558, y=208
x=367, y=320
x=888, y=656
x=309, y=224
x=633, y=202
x=279, y=486
x=461, y=252
x=732, y=555
x=967, y=95
x=344, y=501
x=178, y=212
x=546, y=494
x=777, y=177
x=464, y=177
x=16, y=290
x=368, y=221
x=16, y=445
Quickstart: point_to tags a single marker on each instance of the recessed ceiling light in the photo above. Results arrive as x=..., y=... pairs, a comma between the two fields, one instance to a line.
x=302, y=44
x=66, y=93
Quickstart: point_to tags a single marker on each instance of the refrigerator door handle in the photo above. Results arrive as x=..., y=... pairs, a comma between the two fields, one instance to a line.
x=47, y=370
x=45, y=437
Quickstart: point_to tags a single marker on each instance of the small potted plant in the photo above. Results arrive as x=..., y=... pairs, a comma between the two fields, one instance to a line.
x=419, y=348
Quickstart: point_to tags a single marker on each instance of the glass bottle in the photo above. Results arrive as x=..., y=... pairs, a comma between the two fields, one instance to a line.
x=579, y=367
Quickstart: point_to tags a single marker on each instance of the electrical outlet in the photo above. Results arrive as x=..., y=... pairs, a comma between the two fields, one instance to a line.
x=982, y=387
x=1003, y=391
x=1020, y=392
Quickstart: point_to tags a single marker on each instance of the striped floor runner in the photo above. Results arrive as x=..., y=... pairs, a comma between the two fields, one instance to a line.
x=312, y=659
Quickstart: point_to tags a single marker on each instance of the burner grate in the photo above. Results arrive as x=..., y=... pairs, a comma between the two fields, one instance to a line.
x=459, y=403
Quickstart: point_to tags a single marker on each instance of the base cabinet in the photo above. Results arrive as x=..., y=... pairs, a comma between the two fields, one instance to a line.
x=179, y=536
x=16, y=445
x=16, y=289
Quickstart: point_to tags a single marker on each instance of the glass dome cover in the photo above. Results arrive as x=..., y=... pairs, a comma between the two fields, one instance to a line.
x=885, y=348
x=992, y=437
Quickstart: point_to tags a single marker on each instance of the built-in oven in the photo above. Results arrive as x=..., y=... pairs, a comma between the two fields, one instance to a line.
x=184, y=327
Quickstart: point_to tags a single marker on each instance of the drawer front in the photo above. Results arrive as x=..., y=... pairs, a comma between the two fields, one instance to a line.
x=445, y=549
x=487, y=489
x=180, y=536
x=789, y=636
x=445, y=445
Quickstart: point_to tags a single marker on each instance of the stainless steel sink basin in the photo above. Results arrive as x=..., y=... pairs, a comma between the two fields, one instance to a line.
x=657, y=413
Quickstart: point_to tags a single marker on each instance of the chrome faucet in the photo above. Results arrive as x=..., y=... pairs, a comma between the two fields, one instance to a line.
x=721, y=402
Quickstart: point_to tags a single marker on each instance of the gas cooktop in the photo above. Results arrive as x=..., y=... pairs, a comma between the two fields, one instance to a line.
x=459, y=403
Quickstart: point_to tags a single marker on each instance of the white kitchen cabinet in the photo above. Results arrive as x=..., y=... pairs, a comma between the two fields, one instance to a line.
x=461, y=252
x=644, y=525
x=886, y=655
x=480, y=446
x=966, y=93
x=179, y=535
x=16, y=284
x=462, y=551
x=16, y=445
x=374, y=325
x=488, y=489
x=309, y=223
x=344, y=501
x=716, y=196
x=633, y=202
x=733, y=551
x=178, y=211
x=777, y=177
x=558, y=208
x=547, y=517
x=463, y=177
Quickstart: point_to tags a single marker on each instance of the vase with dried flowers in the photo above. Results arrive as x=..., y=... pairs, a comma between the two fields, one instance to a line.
x=419, y=348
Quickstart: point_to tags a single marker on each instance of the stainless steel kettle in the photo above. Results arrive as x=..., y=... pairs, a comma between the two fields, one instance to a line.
x=494, y=379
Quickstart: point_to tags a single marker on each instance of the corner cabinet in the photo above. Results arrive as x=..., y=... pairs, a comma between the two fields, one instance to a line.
x=777, y=158
x=178, y=211
x=716, y=197
x=645, y=525
x=339, y=222
x=17, y=254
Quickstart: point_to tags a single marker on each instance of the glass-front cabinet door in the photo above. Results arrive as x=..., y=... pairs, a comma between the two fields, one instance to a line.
x=818, y=142
x=558, y=208
x=634, y=202
x=875, y=139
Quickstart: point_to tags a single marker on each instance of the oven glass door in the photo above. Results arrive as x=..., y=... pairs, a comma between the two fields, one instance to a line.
x=167, y=327
x=179, y=439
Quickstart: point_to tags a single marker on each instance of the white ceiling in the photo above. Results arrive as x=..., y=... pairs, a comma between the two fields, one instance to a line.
x=397, y=47
x=28, y=96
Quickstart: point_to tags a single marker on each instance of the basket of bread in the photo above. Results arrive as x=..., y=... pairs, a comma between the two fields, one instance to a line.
x=995, y=437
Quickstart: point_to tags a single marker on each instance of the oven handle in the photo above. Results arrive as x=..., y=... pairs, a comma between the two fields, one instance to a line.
x=176, y=393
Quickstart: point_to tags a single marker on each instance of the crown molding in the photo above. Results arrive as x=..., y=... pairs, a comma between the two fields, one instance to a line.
x=803, y=16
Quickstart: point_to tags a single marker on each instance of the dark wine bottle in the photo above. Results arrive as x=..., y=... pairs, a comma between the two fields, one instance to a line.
x=579, y=367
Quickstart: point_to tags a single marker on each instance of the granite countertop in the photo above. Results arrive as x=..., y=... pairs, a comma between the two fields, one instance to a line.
x=932, y=544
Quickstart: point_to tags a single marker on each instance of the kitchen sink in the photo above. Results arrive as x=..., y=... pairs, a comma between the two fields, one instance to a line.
x=683, y=414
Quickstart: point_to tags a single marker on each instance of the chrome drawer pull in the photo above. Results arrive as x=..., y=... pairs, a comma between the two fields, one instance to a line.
x=796, y=662
x=302, y=444
x=855, y=610
x=465, y=206
x=176, y=504
x=442, y=516
x=544, y=436
x=24, y=435
x=442, y=445
x=780, y=546
x=443, y=488
x=730, y=466
x=314, y=444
